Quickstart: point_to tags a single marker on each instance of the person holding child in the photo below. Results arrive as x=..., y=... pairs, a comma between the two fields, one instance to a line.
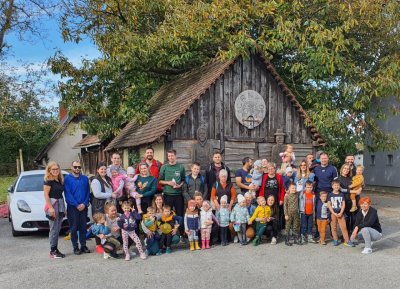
x=103, y=232
x=356, y=186
x=146, y=185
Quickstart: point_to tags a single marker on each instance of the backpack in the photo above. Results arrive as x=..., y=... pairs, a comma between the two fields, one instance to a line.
x=187, y=179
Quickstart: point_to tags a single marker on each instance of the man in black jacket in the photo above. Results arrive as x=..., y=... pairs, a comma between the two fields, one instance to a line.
x=212, y=172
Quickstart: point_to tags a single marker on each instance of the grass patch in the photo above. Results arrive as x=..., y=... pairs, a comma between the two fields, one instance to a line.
x=5, y=182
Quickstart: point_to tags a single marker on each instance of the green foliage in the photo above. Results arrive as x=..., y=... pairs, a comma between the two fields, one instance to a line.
x=5, y=183
x=335, y=55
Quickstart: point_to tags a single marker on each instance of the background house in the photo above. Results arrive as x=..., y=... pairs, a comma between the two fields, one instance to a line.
x=238, y=107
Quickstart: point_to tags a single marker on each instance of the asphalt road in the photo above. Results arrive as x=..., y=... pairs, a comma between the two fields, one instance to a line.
x=25, y=264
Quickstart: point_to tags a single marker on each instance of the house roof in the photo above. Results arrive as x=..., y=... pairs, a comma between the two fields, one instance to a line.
x=88, y=141
x=173, y=99
x=63, y=126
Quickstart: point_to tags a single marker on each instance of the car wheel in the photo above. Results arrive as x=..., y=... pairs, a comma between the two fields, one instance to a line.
x=13, y=231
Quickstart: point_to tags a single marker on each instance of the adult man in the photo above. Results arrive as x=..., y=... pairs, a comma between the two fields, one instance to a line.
x=116, y=162
x=154, y=165
x=324, y=175
x=77, y=191
x=243, y=177
x=212, y=172
x=172, y=177
x=349, y=160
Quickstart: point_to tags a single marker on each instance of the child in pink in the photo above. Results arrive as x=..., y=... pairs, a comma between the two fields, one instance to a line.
x=117, y=181
x=130, y=187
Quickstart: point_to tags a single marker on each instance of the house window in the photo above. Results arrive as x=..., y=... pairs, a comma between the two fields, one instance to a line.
x=390, y=160
x=372, y=160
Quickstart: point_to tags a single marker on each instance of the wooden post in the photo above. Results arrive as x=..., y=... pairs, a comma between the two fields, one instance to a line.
x=21, y=160
x=18, y=167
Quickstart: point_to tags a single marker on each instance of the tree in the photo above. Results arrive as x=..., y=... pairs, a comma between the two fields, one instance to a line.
x=335, y=55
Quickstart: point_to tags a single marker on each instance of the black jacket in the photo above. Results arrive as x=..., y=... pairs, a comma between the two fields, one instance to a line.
x=370, y=220
x=211, y=177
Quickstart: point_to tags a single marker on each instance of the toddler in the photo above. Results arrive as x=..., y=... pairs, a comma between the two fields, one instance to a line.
x=99, y=229
x=128, y=223
x=118, y=181
x=336, y=206
x=256, y=176
x=130, y=187
x=291, y=211
x=169, y=225
x=356, y=184
x=192, y=225
x=322, y=216
x=261, y=215
x=306, y=206
x=206, y=221
x=288, y=155
x=223, y=217
x=150, y=227
x=240, y=217
x=288, y=177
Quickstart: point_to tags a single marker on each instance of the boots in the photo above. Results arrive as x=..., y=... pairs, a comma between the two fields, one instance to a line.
x=207, y=244
x=256, y=240
x=191, y=245
x=196, y=245
x=203, y=244
x=287, y=240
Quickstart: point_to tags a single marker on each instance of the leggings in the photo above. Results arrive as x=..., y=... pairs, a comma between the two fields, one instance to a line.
x=205, y=233
x=224, y=234
x=242, y=233
x=134, y=237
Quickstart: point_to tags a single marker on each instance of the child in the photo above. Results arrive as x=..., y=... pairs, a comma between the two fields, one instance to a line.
x=261, y=215
x=194, y=182
x=240, y=217
x=131, y=187
x=223, y=217
x=168, y=227
x=288, y=156
x=273, y=224
x=306, y=206
x=192, y=225
x=291, y=211
x=336, y=206
x=150, y=227
x=206, y=221
x=256, y=176
x=356, y=184
x=198, y=198
x=118, y=181
x=109, y=243
x=128, y=223
x=288, y=177
x=322, y=216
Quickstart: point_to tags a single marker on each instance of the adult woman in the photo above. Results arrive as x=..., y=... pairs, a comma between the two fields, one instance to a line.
x=146, y=185
x=272, y=225
x=367, y=225
x=302, y=176
x=158, y=203
x=102, y=188
x=53, y=194
x=221, y=188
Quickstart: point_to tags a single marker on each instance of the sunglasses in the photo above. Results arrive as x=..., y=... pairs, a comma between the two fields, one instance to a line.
x=77, y=167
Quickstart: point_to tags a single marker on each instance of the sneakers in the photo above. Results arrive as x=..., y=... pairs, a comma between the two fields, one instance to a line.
x=56, y=254
x=236, y=240
x=273, y=241
x=77, y=251
x=310, y=239
x=143, y=256
x=84, y=249
x=366, y=251
x=106, y=256
x=168, y=250
x=322, y=242
x=348, y=244
x=159, y=252
x=335, y=242
x=127, y=257
x=99, y=249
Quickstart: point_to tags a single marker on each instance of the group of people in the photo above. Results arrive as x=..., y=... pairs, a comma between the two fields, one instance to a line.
x=166, y=206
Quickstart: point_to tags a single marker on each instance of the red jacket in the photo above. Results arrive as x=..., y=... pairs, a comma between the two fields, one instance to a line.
x=154, y=170
x=281, y=187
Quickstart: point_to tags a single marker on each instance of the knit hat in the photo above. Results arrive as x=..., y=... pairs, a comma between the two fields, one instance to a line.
x=240, y=198
x=289, y=170
x=258, y=164
x=130, y=171
x=224, y=198
x=113, y=168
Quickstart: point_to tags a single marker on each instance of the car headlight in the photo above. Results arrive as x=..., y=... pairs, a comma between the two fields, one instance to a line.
x=23, y=206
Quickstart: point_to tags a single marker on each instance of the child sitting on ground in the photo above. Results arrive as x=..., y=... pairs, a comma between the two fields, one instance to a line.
x=306, y=206
x=206, y=221
x=240, y=217
x=223, y=217
x=169, y=225
x=150, y=228
x=109, y=243
x=356, y=184
x=261, y=215
x=256, y=176
x=291, y=211
x=128, y=223
x=322, y=216
x=130, y=187
x=192, y=225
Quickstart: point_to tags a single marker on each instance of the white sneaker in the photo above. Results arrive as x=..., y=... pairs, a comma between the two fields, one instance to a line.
x=273, y=241
x=248, y=239
x=236, y=240
x=132, y=253
x=106, y=255
x=367, y=251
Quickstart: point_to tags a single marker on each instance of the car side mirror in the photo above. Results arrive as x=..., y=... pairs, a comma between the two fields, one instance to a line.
x=10, y=189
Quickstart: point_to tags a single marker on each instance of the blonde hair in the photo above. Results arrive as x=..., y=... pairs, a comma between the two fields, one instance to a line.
x=49, y=177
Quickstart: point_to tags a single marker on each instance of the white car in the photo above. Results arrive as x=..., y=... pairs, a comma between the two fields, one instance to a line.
x=26, y=203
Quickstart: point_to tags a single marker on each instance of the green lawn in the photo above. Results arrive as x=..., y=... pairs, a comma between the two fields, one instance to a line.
x=5, y=182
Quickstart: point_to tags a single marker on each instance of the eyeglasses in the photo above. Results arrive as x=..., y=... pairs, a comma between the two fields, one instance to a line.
x=77, y=167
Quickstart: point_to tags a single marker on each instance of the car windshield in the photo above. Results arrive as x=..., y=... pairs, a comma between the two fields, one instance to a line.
x=31, y=183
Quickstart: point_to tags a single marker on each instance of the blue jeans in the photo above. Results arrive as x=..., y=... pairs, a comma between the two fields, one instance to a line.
x=306, y=223
x=77, y=223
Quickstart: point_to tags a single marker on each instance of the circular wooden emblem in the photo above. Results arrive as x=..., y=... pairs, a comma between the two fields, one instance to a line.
x=250, y=108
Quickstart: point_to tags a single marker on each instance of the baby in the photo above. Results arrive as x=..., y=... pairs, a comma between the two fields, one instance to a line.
x=118, y=181
x=288, y=155
x=131, y=187
x=256, y=176
x=356, y=184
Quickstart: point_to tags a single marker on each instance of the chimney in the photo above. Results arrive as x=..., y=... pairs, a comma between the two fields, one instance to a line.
x=62, y=112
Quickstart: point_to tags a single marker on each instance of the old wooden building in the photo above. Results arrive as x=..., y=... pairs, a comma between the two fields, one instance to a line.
x=241, y=107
